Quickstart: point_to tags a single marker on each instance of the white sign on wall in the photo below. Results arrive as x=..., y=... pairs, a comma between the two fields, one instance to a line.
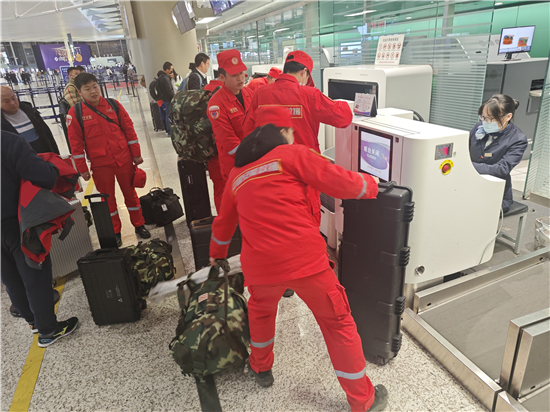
x=389, y=49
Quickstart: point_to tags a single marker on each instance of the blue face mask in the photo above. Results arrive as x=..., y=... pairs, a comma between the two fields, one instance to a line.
x=491, y=127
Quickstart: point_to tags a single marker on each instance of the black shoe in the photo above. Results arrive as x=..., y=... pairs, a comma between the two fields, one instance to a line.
x=142, y=232
x=63, y=329
x=380, y=399
x=118, y=237
x=264, y=379
x=288, y=293
x=14, y=312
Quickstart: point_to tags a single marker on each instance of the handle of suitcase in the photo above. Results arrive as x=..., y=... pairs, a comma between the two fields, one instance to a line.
x=103, y=222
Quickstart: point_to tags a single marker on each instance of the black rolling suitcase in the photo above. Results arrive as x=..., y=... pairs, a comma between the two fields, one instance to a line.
x=373, y=257
x=194, y=189
x=103, y=222
x=158, y=123
x=201, y=232
x=112, y=286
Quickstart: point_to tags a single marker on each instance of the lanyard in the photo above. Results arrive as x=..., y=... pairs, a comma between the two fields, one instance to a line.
x=102, y=114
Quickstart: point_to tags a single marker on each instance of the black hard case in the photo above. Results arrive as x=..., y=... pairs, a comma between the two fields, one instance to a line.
x=194, y=189
x=201, y=233
x=158, y=123
x=373, y=257
x=112, y=286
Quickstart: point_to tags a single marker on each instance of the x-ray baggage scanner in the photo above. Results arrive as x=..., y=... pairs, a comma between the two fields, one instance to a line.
x=456, y=213
x=403, y=87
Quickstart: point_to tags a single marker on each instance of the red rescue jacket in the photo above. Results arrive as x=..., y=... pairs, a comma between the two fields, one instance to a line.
x=308, y=107
x=227, y=116
x=255, y=84
x=105, y=143
x=43, y=212
x=268, y=199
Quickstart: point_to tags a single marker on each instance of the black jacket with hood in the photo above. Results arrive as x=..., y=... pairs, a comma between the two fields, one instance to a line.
x=164, y=87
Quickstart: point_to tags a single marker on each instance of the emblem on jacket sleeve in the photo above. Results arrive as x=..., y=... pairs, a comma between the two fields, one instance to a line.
x=214, y=112
x=69, y=119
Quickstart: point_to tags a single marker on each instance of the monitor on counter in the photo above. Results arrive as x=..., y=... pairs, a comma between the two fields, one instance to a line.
x=219, y=7
x=375, y=154
x=346, y=89
x=515, y=40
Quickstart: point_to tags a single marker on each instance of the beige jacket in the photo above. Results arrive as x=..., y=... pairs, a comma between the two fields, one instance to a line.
x=71, y=94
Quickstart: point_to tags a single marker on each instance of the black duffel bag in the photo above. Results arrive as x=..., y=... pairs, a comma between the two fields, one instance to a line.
x=160, y=206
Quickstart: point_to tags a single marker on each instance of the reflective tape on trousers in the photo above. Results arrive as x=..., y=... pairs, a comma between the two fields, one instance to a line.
x=232, y=152
x=266, y=344
x=78, y=156
x=114, y=213
x=134, y=208
x=351, y=376
x=133, y=142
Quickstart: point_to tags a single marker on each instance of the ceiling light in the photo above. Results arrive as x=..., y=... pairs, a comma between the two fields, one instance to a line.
x=359, y=14
x=408, y=18
x=498, y=4
x=206, y=20
x=260, y=36
x=249, y=37
x=281, y=30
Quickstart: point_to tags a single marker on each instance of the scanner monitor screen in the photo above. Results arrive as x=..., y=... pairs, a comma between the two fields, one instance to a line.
x=375, y=150
x=516, y=39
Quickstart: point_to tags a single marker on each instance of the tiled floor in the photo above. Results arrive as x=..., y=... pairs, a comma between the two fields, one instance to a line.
x=128, y=367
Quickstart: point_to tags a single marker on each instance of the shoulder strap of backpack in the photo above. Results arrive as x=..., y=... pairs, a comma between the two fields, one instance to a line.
x=113, y=103
x=78, y=114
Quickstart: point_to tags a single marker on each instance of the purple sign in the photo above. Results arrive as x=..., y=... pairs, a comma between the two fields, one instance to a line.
x=55, y=55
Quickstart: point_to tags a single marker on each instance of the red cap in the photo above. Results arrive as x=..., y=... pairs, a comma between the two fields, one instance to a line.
x=140, y=177
x=301, y=57
x=274, y=72
x=276, y=115
x=230, y=61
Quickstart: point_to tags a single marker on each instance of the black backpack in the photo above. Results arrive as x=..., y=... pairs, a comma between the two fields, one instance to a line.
x=153, y=90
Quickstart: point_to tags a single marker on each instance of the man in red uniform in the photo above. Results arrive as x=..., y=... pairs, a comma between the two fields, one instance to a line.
x=111, y=146
x=272, y=75
x=227, y=107
x=214, y=170
x=307, y=105
x=282, y=248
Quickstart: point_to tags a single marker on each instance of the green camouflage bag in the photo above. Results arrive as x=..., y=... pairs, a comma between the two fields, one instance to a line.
x=154, y=262
x=191, y=131
x=212, y=333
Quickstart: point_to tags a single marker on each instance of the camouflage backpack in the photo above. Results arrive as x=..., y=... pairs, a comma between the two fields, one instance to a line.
x=191, y=131
x=154, y=263
x=212, y=333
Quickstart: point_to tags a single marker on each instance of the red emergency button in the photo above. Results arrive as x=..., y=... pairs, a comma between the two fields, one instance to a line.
x=446, y=167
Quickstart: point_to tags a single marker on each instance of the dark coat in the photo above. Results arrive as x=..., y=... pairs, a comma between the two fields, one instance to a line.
x=500, y=157
x=45, y=142
x=196, y=80
x=164, y=87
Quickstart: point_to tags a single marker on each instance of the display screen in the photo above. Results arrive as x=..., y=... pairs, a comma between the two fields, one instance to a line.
x=181, y=13
x=219, y=6
x=346, y=89
x=516, y=39
x=235, y=2
x=444, y=151
x=375, y=154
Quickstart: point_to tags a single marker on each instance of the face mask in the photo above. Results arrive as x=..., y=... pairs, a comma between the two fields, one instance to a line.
x=491, y=127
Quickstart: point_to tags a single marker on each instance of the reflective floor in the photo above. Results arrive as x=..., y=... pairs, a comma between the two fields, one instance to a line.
x=128, y=367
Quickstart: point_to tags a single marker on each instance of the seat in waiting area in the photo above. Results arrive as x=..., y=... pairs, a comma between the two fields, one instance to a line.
x=516, y=209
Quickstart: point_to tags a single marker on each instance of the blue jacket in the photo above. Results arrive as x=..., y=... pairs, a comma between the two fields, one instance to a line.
x=500, y=157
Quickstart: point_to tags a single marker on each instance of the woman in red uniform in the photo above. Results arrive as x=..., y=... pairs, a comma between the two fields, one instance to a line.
x=266, y=194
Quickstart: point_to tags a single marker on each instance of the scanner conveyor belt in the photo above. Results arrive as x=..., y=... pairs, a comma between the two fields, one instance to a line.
x=477, y=323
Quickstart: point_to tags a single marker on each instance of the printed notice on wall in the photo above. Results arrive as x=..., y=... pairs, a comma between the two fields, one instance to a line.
x=389, y=49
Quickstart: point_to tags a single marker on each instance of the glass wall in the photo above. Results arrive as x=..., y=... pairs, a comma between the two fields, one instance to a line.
x=267, y=40
x=538, y=174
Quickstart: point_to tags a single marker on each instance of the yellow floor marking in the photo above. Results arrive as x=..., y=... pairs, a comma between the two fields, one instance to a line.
x=120, y=94
x=27, y=381
x=88, y=191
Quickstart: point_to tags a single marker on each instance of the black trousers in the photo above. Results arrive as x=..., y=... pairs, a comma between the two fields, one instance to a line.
x=30, y=290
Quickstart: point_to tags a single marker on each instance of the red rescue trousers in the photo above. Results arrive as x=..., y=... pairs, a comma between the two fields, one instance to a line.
x=104, y=178
x=215, y=174
x=327, y=299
